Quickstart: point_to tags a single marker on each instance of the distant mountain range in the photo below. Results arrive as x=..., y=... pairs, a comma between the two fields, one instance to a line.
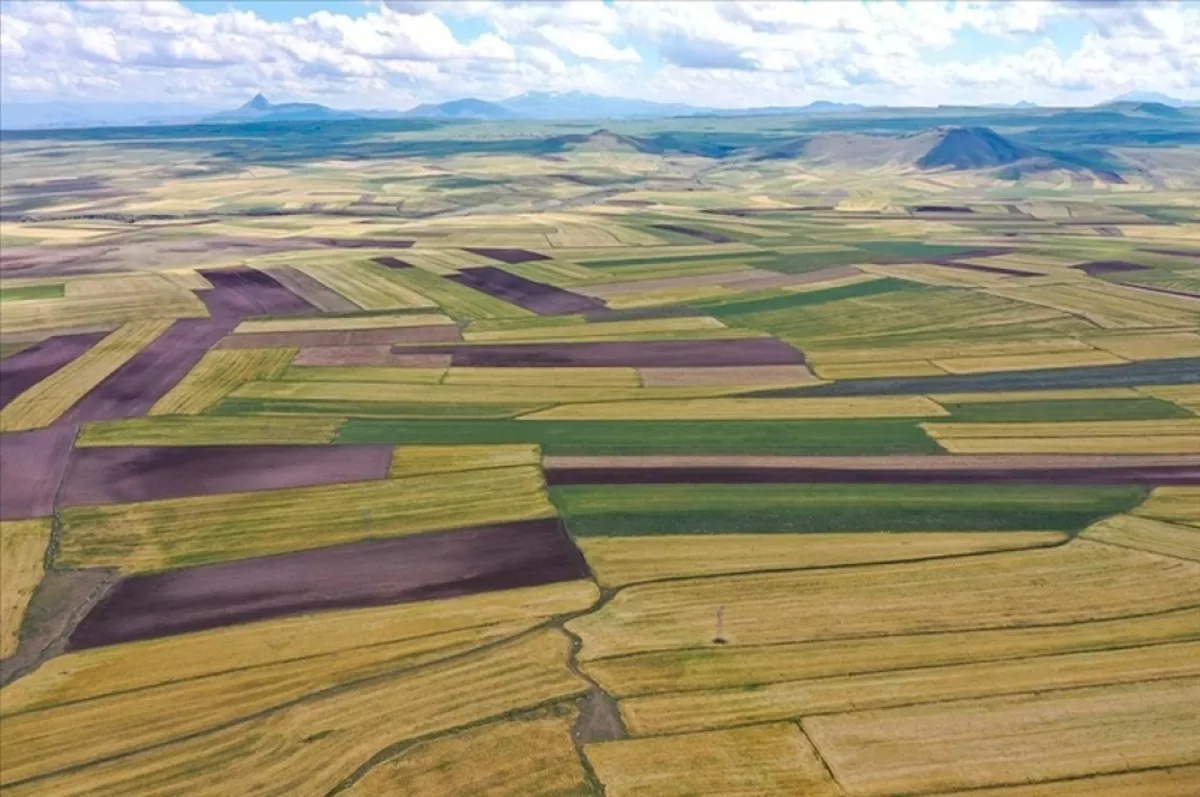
x=533, y=105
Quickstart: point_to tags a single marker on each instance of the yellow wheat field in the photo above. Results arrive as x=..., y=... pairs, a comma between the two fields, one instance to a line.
x=624, y=560
x=1012, y=740
x=734, y=409
x=72, y=734
x=714, y=667
x=43, y=403
x=95, y=672
x=22, y=553
x=1108, y=306
x=367, y=288
x=310, y=747
x=733, y=378
x=1146, y=534
x=943, y=350
x=557, y=377
x=1159, y=346
x=218, y=373
x=206, y=430
x=764, y=761
x=1022, y=362
x=995, y=591
x=514, y=758
x=1073, y=429
x=319, y=324
x=1170, y=782
x=428, y=460
x=690, y=711
x=530, y=395
x=153, y=535
x=1176, y=504
x=1176, y=436
x=870, y=370
x=678, y=328
x=110, y=310
x=1186, y=396
x=1037, y=395
x=363, y=373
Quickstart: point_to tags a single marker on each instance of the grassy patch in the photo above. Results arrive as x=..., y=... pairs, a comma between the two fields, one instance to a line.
x=659, y=437
x=792, y=301
x=52, y=291
x=1071, y=410
x=790, y=508
x=365, y=409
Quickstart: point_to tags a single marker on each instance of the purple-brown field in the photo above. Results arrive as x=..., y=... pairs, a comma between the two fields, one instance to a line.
x=241, y=292
x=31, y=466
x=368, y=355
x=1100, y=267
x=313, y=292
x=132, y=389
x=116, y=475
x=442, y=333
x=533, y=296
x=391, y=262
x=361, y=243
x=638, y=354
x=372, y=573
x=506, y=255
x=26, y=368
x=1002, y=271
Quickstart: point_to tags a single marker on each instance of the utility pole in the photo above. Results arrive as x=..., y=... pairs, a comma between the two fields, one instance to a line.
x=719, y=639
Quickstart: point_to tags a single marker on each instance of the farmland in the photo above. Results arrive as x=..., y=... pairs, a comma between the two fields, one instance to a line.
x=532, y=459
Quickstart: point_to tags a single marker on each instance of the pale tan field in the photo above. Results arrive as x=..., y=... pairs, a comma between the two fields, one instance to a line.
x=1052, y=735
x=46, y=401
x=1001, y=590
x=524, y=394
x=154, y=535
x=107, y=311
x=22, y=556
x=351, y=322
x=1146, y=534
x=764, y=761
x=219, y=373
x=550, y=377
x=1180, y=436
x=1157, y=346
x=367, y=288
x=624, y=560
x=732, y=377
x=1176, y=504
x=1109, y=306
x=512, y=758
x=1023, y=362
x=1170, y=782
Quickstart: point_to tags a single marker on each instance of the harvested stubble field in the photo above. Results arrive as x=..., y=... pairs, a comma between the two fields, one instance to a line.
x=527, y=462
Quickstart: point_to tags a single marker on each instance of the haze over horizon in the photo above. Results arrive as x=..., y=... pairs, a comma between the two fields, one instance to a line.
x=395, y=54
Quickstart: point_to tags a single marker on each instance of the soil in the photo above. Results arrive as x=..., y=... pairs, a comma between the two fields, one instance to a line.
x=639, y=354
x=1099, y=267
x=509, y=256
x=31, y=468
x=123, y=474
x=132, y=389
x=533, y=296
x=372, y=573
x=25, y=369
x=1005, y=272
x=241, y=292
x=313, y=292
x=391, y=262
x=599, y=720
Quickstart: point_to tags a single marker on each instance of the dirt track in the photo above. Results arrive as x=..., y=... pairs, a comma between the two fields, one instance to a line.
x=373, y=573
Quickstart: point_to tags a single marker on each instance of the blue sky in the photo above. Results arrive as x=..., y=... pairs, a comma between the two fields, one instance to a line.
x=397, y=53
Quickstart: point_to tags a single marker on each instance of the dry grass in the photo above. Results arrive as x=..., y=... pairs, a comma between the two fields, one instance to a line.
x=1023, y=362
x=1176, y=504
x=319, y=324
x=765, y=761
x=87, y=674
x=531, y=395
x=1172, y=782
x=1012, y=740
x=650, y=329
x=428, y=460
x=943, y=350
x=22, y=556
x=1000, y=590
x=1157, y=346
x=218, y=373
x=556, y=377
x=1037, y=395
x=733, y=409
x=1146, y=534
x=691, y=711
x=363, y=373
x=712, y=667
x=1108, y=306
x=1186, y=396
x=624, y=560
x=732, y=377
x=99, y=311
x=178, y=532
x=514, y=758
x=43, y=403
x=210, y=430
x=366, y=287
x=312, y=746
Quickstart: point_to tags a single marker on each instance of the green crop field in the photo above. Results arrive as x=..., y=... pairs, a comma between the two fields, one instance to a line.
x=840, y=454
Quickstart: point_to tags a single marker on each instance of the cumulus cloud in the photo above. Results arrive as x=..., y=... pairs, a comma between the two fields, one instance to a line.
x=700, y=51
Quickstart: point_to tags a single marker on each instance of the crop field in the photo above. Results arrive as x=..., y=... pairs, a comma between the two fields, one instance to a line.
x=522, y=460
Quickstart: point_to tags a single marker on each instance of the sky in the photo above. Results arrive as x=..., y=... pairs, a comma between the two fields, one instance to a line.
x=393, y=54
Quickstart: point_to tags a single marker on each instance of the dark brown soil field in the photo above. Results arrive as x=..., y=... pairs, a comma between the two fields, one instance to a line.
x=640, y=354
x=534, y=296
x=711, y=237
x=313, y=292
x=241, y=292
x=26, y=368
x=442, y=333
x=1007, y=272
x=31, y=468
x=1149, y=475
x=132, y=389
x=1100, y=267
x=942, y=209
x=372, y=573
x=368, y=355
x=509, y=256
x=119, y=474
